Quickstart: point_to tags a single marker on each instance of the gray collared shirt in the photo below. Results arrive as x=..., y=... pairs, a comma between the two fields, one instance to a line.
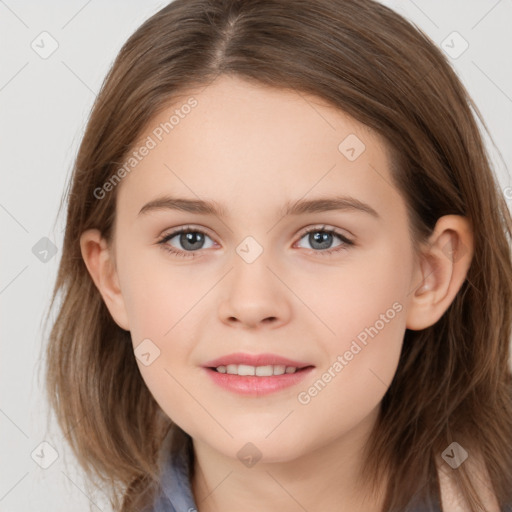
x=176, y=493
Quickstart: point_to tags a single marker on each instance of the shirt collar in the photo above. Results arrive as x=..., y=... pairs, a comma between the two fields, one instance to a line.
x=175, y=481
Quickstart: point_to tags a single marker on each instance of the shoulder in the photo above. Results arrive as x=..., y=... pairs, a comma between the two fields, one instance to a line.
x=451, y=498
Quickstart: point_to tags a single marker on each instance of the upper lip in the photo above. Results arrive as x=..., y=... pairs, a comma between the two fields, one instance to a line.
x=254, y=360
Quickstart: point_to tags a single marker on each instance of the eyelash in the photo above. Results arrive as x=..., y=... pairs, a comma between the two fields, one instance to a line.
x=191, y=254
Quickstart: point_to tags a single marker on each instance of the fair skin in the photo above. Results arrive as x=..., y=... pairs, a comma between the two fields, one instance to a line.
x=260, y=148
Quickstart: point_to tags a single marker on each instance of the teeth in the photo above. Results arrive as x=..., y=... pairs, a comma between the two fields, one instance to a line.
x=260, y=371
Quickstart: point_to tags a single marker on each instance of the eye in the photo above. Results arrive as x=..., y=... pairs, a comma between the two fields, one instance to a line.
x=321, y=238
x=191, y=239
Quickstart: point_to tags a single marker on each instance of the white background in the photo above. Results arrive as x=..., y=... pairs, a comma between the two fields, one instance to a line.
x=44, y=107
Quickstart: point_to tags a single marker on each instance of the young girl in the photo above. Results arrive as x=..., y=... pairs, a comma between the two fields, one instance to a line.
x=286, y=279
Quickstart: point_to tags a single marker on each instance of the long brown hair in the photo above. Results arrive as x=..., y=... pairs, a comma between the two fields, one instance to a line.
x=453, y=381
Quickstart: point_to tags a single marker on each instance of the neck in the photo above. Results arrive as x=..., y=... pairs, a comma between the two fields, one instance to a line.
x=324, y=478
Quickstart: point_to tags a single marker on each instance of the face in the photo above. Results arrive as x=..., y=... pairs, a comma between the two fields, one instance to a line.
x=251, y=279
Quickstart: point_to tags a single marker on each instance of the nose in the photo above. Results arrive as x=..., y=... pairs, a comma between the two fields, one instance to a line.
x=254, y=295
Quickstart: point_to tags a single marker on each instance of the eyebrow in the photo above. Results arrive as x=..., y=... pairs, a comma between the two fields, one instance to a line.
x=299, y=207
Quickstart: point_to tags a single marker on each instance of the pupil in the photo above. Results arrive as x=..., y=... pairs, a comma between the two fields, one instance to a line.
x=321, y=237
x=189, y=240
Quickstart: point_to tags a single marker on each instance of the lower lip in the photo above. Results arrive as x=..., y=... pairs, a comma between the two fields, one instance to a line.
x=257, y=386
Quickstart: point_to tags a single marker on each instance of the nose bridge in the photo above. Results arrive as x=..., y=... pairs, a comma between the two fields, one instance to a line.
x=254, y=293
x=251, y=274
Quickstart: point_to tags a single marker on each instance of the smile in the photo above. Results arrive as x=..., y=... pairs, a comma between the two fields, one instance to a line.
x=257, y=380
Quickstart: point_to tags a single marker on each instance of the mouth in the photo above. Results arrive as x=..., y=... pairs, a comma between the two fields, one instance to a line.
x=244, y=370
x=257, y=381
x=255, y=364
x=256, y=374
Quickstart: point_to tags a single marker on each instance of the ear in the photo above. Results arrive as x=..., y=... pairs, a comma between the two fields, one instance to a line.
x=99, y=260
x=440, y=270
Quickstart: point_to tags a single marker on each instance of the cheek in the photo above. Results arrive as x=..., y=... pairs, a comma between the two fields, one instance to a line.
x=351, y=296
x=363, y=320
x=361, y=348
x=162, y=302
x=159, y=295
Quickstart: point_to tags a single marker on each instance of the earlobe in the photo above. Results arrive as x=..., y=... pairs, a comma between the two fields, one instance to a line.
x=99, y=261
x=441, y=271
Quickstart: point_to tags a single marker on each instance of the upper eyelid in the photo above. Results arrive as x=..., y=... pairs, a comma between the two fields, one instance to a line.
x=176, y=231
x=326, y=227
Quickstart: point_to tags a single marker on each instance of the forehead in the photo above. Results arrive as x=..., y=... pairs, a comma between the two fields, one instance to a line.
x=238, y=142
